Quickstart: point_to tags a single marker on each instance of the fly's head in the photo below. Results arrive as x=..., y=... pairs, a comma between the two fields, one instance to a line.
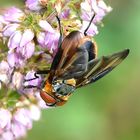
x=57, y=93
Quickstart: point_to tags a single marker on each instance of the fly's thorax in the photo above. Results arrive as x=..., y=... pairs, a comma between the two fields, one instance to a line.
x=57, y=92
x=63, y=87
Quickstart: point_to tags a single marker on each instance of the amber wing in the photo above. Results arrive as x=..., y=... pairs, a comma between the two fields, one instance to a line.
x=73, y=56
x=97, y=68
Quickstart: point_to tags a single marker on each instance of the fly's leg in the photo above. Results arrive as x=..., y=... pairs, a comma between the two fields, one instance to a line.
x=36, y=75
x=31, y=86
x=60, y=31
x=85, y=32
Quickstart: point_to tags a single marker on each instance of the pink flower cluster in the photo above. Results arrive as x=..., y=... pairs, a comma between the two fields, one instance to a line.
x=14, y=125
x=21, y=30
x=36, y=5
x=88, y=9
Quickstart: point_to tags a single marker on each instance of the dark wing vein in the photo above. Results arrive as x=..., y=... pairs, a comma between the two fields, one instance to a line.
x=100, y=67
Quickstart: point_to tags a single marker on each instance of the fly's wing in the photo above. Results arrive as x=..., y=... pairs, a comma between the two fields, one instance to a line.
x=97, y=68
x=72, y=57
x=56, y=59
x=67, y=49
x=76, y=66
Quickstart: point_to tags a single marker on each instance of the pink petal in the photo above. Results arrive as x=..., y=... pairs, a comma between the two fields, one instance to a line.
x=5, y=117
x=10, y=29
x=33, y=5
x=18, y=130
x=35, y=112
x=5, y=72
x=65, y=14
x=13, y=15
x=41, y=39
x=14, y=40
x=51, y=41
x=86, y=15
x=2, y=23
x=34, y=82
x=29, y=49
x=94, y=6
x=46, y=26
x=102, y=5
x=4, y=66
x=86, y=6
x=8, y=135
x=23, y=117
x=27, y=36
x=2, y=20
x=11, y=58
x=92, y=29
x=17, y=80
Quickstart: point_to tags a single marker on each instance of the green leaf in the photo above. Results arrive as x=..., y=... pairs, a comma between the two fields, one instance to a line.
x=12, y=99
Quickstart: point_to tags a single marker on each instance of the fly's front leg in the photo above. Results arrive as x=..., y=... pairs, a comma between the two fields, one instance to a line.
x=36, y=75
x=31, y=86
x=60, y=31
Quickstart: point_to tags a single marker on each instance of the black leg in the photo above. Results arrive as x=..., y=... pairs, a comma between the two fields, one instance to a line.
x=36, y=76
x=85, y=32
x=42, y=72
x=31, y=86
x=60, y=31
x=59, y=52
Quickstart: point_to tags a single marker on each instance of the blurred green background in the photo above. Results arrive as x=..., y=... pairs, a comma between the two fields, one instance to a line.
x=110, y=108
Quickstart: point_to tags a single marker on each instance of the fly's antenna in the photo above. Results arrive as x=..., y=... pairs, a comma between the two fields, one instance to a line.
x=85, y=32
x=60, y=31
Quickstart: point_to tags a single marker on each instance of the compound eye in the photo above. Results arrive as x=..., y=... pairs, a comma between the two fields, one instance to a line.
x=54, y=82
x=56, y=87
x=47, y=98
